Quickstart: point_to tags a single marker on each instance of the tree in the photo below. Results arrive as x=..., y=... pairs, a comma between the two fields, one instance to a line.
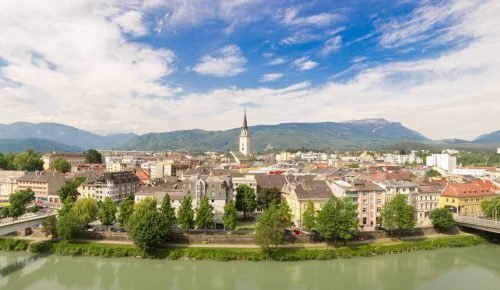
x=87, y=209
x=167, y=208
x=432, y=173
x=93, y=156
x=337, y=219
x=126, y=211
x=267, y=196
x=245, y=199
x=398, y=214
x=185, y=216
x=69, y=223
x=70, y=188
x=151, y=230
x=271, y=225
x=491, y=206
x=50, y=226
x=4, y=212
x=29, y=160
x=204, y=214
x=140, y=210
x=107, y=211
x=19, y=200
x=230, y=217
x=309, y=217
x=61, y=164
x=442, y=218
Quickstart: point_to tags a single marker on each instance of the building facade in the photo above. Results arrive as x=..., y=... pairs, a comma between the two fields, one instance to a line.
x=44, y=184
x=465, y=198
x=115, y=185
x=8, y=182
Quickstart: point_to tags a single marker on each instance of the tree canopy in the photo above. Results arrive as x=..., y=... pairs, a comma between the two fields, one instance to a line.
x=151, y=230
x=19, y=200
x=245, y=199
x=230, y=217
x=267, y=196
x=29, y=160
x=167, y=208
x=442, y=218
x=69, y=223
x=488, y=207
x=398, y=214
x=86, y=209
x=126, y=211
x=70, y=188
x=61, y=164
x=185, y=216
x=93, y=156
x=204, y=214
x=338, y=219
x=309, y=217
x=432, y=173
x=271, y=225
x=107, y=211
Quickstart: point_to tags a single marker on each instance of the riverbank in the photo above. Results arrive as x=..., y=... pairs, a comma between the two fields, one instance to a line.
x=231, y=254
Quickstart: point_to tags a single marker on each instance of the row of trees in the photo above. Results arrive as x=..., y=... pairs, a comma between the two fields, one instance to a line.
x=29, y=160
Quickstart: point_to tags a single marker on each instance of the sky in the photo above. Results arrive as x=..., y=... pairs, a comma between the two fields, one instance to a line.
x=111, y=66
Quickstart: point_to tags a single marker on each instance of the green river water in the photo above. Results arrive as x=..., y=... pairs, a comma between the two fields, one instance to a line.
x=475, y=268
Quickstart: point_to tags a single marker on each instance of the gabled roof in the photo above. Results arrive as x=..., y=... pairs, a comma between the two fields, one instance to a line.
x=476, y=188
x=313, y=189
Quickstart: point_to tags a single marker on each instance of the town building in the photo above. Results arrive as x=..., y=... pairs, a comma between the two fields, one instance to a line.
x=370, y=203
x=425, y=200
x=44, y=184
x=402, y=159
x=465, y=198
x=74, y=159
x=393, y=187
x=115, y=185
x=174, y=190
x=246, y=179
x=8, y=183
x=218, y=190
x=445, y=162
x=242, y=156
x=298, y=190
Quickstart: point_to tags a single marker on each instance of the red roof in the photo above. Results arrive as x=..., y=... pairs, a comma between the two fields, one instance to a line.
x=476, y=188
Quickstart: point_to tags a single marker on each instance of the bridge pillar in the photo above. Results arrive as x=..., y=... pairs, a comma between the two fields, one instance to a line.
x=25, y=232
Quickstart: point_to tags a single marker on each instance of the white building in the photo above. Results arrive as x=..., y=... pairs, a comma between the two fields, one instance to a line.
x=402, y=159
x=425, y=200
x=247, y=180
x=476, y=172
x=115, y=185
x=8, y=182
x=443, y=161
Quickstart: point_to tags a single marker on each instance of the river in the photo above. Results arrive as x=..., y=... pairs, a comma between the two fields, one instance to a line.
x=475, y=268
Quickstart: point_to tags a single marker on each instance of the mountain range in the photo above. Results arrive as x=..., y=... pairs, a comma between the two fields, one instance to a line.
x=354, y=134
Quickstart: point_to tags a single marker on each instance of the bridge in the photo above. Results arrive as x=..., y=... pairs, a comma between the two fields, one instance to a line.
x=23, y=223
x=492, y=226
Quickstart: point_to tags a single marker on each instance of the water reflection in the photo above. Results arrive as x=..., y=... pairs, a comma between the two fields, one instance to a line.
x=439, y=269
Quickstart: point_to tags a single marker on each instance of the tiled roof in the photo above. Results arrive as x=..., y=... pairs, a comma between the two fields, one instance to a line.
x=267, y=181
x=472, y=189
x=313, y=189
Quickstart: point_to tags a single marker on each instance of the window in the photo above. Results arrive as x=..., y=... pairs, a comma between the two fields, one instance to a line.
x=364, y=210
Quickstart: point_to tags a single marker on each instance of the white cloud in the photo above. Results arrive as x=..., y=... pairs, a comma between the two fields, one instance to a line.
x=277, y=61
x=291, y=17
x=271, y=77
x=304, y=63
x=332, y=45
x=422, y=24
x=227, y=62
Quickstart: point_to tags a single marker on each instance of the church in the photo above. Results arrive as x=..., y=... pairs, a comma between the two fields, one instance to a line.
x=244, y=154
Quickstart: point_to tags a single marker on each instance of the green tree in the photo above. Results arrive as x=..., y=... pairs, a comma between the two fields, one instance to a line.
x=267, y=196
x=204, y=214
x=151, y=230
x=93, y=156
x=50, y=226
x=107, y=211
x=245, y=199
x=309, y=217
x=398, y=215
x=432, y=173
x=230, y=217
x=19, y=200
x=491, y=206
x=140, y=210
x=69, y=224
x=337, y=219
x=126, y=211
x=167, y=208
x=86, y=209
x=185, y=216
x=29, y=160
x=271, y=226
x=70, y=188
x=442, y=218
x=4, y=212
x=61, y=164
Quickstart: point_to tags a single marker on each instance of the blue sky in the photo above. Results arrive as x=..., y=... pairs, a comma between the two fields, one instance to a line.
x=154, y=65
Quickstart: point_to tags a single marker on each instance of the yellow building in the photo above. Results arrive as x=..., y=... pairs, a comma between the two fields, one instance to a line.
x=465, y=198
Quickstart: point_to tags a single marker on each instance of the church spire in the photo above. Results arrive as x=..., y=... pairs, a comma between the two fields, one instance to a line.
x=245, y=126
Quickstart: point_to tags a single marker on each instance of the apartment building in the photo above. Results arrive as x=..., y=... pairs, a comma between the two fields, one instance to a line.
x=44, y=184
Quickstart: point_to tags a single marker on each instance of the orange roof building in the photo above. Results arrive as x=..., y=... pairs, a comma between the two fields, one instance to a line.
x=466, y=198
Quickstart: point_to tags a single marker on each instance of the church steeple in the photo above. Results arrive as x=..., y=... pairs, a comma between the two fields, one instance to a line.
x=245, y=137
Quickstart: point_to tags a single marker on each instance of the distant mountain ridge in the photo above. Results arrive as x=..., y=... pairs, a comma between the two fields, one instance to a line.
x=63, y=134
x=493, y=137
x=341, y=135
x=18, y=145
